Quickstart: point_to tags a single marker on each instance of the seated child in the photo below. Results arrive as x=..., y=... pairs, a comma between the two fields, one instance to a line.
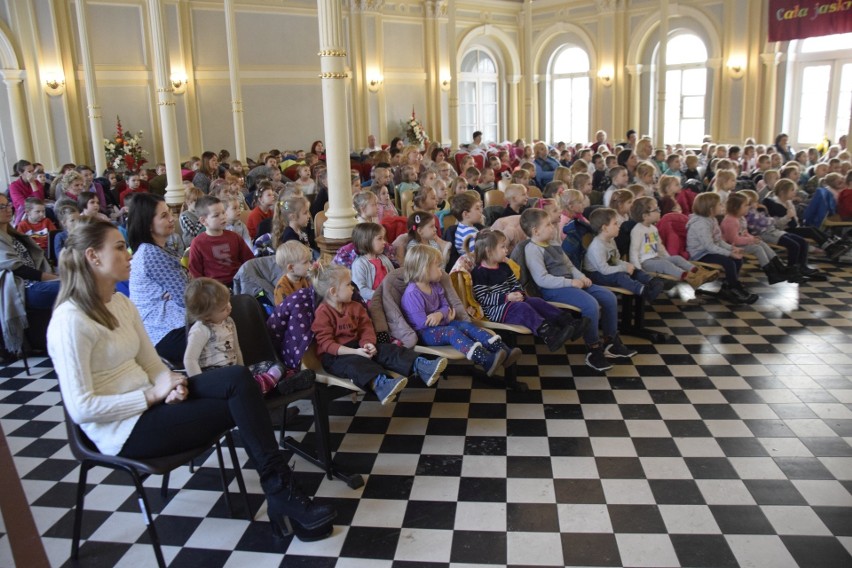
x=648, y=253
x=735, y=232
x=559, y=281
x=89, y=206
x=583, y=184
x=620, y=203
x=386, y=206
x=134, y=185
x=233, y=222
x=68, y=215
x=217, y=253
x=467, y=209
x=212, y=339
x=704, y=243
x=619, y=178
x=304, y=182
x=823, y=204
x=294, y=259
x=603, y=263
x=35, y=224
x=516, y=200
x=725, y=182
x=486, y=181
x=645, y=173
x=409, y=180
x=770, y=230
x=421, y=231
x=503, y=300
x=428, y=312
x=346, y=341
x=188, y=219
x=371, y=265
x=293, y=223
x=264, y=208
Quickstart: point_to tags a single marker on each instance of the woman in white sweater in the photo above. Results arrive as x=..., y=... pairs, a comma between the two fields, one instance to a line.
x=127, y=401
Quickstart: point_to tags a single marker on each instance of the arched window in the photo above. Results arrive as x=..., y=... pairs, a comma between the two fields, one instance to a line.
x=478, y=108
x=820, y=77
x=569, y=95
x=686, y=89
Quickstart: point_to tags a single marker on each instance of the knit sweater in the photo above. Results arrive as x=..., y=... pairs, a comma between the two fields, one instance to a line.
x=549, y=267
x=602, y=256
x=703, y=236
x=735, y=231
x=364, y=274
x=334, y=329
x=103, y=373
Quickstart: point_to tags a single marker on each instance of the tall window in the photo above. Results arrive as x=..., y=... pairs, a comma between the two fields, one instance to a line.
x=821, y=75
x=478, y=97
x=686, y=89
x=569, y=95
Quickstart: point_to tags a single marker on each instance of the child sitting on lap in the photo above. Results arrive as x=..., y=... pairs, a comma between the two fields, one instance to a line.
x=346, y=341
x=427, y=310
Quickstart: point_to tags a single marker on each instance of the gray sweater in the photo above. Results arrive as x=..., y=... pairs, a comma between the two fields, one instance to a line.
x=549, y=266
x=364, y=274
x=703, y=236
x=603, y=257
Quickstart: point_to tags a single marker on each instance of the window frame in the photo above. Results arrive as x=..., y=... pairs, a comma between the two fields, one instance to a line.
x=552, y=78
x=479, y=79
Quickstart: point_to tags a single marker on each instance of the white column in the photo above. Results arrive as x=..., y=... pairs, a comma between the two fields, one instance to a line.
x=660, y=75
x=634, y=120
x=529, y=73
x=20, y=127
x=341, y=215
x=453, y=99
x=236, y=90
x=91, y=89
x=166, y=102
x=770, y=88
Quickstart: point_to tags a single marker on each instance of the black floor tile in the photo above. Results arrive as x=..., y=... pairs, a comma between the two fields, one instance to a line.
x=711, y=551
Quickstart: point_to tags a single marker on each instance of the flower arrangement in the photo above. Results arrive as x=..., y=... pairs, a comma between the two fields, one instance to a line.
x=124, y=152
x=414, y=131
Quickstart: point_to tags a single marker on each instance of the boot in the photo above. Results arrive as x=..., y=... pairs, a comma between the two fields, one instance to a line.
x=496, y=344
x=730, y=294
x=289, y=509
x=580, y=324
x=792, y=271
x=486, y=359
x=652, y=289
x=747, y=297
x=812, y=273
x=699, y=276
x=553, y=336
x=773, y=274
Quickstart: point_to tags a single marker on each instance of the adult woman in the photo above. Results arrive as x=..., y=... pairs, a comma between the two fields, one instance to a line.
x=411, y=156
x=437, y=154
x=158, y=281
x=126, y=400
x=781, y=144
x=208, y=171
x=319, y=149
x=627, y=159
x=396, y=146
x=25, y=279
x=25, y=186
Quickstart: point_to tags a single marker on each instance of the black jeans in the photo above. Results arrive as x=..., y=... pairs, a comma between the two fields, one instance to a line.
x=731, y=265
x=218, y=400
x=362, y=371
x=173, y=346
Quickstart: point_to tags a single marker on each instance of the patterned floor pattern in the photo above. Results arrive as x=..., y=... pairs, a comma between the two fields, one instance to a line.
x=727, y=446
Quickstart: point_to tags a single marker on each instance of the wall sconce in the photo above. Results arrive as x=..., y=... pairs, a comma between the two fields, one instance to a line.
x=54, y=84
x=605, y=75
x=445, y=83
x=374, y=83
x=179, y=81
x=736, y=66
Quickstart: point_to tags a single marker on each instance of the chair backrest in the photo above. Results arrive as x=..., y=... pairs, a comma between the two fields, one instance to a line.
x=250, y=321
x=406, y=205
x=81, y=446
x=495, y=197
x=319, y=221
x=449, y=221
x=533, y=192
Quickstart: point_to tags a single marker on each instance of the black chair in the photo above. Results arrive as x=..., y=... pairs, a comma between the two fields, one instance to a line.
x=256, y=346
x=85, y=451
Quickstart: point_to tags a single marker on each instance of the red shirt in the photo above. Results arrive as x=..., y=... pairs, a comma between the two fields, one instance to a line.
x=255, y=217
x=128, y=191
x=381, y=271
x=218, y=257
x=334, y=329
x=39, y=232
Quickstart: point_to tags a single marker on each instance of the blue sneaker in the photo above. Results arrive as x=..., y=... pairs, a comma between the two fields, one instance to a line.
x=429, y=370
x=386, y=388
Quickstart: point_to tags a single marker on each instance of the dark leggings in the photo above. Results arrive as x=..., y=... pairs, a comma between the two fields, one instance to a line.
x=218, y=400
x=173, y=346
x=812, y=233
x=731, y=265
x=797, y=249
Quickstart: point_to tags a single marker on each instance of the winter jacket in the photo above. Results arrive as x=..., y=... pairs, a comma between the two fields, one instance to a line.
x=290, y=326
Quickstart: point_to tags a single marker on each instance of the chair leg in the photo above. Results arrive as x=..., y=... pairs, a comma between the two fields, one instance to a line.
x=164, y=488
x=149, y=519
x=78, y=512
x=224, y=478
x=238, y=472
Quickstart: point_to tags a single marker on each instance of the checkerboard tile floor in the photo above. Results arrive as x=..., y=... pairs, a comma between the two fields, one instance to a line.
x=728, y=446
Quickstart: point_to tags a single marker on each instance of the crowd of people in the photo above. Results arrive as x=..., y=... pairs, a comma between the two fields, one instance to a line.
x=509, y=233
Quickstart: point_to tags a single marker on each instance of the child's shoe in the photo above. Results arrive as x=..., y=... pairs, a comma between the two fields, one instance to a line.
x=653, y=289
x=746, y=296
x=579, y=324
x=302, y=380
x=386, y=388
x=496, y=343
x=813, y=274
x=429, y=370
x=552, y=336
x=615, y=349
x=485, y=359
x=698, y=276
x=596, y=359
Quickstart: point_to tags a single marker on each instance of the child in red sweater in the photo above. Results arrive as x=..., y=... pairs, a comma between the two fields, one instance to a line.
x=35, y=224
x=266, y=198
x=216, y=253
x=346, y=340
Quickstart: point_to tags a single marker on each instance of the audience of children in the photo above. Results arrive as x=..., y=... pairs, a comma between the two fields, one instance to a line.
x=347, y=343
x=216, y=253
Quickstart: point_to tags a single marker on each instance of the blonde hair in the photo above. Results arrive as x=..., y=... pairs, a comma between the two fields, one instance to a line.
x=285, y=211
x=724, y=176
x=753, y=196
x=563, y=174
x=71, y=177
x=78, y=283
x=705, y=204
x=783, y=186
x=418, y=259
x=325, y=277
x=581, y=179
x=645, y=168
x=202, y=297
x=360, y=200
x=619, y=198
x=514, y=189
x=291, y=252
x=665, y=183
x=569, y=197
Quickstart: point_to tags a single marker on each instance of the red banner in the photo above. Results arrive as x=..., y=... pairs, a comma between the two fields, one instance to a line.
x=799, y=19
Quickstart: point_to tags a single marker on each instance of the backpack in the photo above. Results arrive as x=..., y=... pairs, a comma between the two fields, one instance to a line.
x=575, y=234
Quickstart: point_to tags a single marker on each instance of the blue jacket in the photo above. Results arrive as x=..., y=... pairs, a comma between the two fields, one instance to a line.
x=823, y=204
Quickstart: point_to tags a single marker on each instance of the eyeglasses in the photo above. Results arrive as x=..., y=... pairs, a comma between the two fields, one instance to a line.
x=654, y=210
x=5, y=207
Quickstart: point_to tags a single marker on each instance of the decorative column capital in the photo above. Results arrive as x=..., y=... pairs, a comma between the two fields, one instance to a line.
x=366, y=5
x=635, y=70
x=607, y=6
x=772, y=59
x=436, y=8
x=714, y=63
x=13, y=76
